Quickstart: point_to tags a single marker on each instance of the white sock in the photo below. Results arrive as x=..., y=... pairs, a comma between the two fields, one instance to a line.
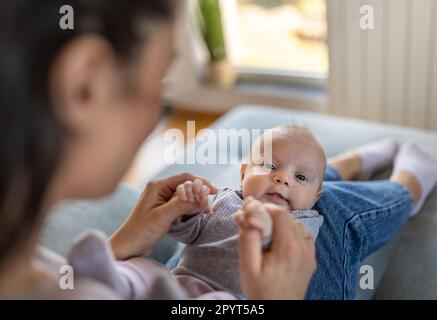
x=375, y=155
x=91, y=257
x=413, y=159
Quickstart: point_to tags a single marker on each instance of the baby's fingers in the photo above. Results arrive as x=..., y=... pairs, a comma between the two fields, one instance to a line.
x=256, y=223
x=198, y=189
x=240, y=219
x=188, y=185
x=180, y=192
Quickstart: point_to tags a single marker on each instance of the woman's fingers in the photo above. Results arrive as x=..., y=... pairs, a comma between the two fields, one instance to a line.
x=172, y=209
x=287, y=232
x=172, y=182
x=250, y=253
x=292, y=241
x=160, y=191
x=305, y=233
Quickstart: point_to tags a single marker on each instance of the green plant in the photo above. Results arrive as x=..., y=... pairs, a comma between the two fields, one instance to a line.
x=212, y=28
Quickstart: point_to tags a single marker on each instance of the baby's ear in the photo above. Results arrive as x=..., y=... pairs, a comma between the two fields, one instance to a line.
x=319, y=194
x=242, y=171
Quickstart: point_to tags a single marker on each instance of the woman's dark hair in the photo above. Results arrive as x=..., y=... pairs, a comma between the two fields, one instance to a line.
x=30, y=134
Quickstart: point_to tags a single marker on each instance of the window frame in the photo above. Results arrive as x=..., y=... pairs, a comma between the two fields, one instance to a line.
x=310, y=80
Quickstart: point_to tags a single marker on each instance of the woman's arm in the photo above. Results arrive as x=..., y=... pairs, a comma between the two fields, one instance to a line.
x=152, y=216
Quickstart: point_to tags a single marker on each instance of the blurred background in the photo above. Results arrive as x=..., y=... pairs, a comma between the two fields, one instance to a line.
x=306, y=55
x=279, y=36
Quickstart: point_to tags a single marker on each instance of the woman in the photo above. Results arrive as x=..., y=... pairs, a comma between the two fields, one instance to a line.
x=75, y=107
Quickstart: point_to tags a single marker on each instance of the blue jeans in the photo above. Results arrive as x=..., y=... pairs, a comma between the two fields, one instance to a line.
x=360, y=217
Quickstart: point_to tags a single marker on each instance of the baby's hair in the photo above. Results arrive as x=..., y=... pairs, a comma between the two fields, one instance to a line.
x=292, y=130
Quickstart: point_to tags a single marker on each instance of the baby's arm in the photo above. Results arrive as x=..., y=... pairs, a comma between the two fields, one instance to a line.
x=194, y=200
x=256, y=216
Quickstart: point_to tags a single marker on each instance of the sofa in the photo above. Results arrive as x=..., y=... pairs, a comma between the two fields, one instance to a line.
x=405, y=268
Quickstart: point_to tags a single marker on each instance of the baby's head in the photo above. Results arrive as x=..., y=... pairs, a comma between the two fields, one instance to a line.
x=292, y=175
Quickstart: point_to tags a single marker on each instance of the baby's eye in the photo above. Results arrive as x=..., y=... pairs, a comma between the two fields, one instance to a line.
x=301, y=177
x=269, y=166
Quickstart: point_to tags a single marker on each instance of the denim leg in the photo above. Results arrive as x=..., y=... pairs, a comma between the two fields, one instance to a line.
x=360, y=217
x=331, y=174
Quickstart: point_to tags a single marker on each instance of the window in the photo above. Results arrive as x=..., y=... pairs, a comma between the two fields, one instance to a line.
x=277, y=39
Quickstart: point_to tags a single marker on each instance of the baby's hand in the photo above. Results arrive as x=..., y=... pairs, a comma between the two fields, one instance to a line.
x=255, y=215
x=194, y=195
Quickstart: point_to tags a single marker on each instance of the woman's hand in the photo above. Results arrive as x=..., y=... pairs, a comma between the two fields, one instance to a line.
x=285, y=270
x=152, y=216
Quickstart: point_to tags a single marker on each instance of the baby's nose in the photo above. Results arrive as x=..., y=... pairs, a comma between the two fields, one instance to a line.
x=282, y=179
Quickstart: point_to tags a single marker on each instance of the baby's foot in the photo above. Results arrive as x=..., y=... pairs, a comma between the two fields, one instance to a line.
x=411, y=158
x=375, y=155
x=91, y=257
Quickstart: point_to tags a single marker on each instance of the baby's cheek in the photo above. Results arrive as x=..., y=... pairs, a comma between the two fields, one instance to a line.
x=253, y=186
x=303, y=199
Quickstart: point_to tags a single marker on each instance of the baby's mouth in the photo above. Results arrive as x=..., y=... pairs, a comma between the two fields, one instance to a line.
x=277, y=198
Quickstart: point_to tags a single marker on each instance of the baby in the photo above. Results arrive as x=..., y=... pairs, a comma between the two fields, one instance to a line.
x=291, y=177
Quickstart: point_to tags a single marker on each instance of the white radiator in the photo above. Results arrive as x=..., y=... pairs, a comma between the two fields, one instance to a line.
x=387, y=74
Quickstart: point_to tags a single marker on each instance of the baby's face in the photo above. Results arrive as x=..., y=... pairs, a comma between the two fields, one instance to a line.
x=292, y=176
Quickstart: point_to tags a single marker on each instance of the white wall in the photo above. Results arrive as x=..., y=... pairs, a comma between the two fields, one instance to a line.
x=389, y=73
